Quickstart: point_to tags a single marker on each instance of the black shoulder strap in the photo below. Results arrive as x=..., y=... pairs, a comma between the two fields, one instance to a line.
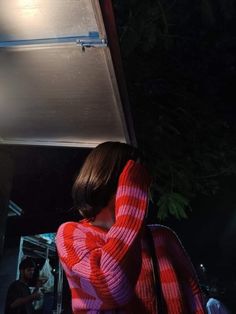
x=161, y=307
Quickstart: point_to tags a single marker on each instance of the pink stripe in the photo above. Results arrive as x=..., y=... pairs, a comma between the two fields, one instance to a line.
x=122, y=233
x=80, y=304
x=116, y=280
x=134, y=212
x=79, y=243
x=60, y=241
x=131, y=192
x=77, y=238
x=83, y=269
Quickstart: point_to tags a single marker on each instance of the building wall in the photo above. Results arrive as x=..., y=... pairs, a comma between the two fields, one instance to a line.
x=8, y=269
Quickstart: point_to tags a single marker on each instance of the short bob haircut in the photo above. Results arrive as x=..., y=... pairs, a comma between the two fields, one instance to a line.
x=98, y=177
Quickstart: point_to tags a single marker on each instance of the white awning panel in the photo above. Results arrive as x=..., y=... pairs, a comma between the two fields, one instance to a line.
x=57, y=80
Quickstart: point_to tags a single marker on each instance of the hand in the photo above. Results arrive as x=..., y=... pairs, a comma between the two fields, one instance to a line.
x=37, y=295
x=41, y=281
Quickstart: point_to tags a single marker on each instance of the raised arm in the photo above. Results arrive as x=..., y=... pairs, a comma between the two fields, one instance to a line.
x=108, y=271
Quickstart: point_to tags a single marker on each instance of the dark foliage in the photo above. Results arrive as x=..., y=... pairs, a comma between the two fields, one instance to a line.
x=179, y=61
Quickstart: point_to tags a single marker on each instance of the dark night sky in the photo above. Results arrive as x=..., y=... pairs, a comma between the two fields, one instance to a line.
x=42, y=185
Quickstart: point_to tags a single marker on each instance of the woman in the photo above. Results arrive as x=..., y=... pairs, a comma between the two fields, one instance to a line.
x=106, y=256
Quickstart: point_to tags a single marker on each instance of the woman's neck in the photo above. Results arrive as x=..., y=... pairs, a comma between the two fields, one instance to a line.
x=106, y=217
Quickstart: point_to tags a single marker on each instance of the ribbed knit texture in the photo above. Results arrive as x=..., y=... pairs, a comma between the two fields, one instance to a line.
x=111, y=270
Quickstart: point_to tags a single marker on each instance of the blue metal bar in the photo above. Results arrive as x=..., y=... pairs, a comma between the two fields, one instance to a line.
x=93, y=37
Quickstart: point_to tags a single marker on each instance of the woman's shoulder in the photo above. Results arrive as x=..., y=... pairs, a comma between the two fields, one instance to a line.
x=78, y=231
x=73, y=239
x=70, y=228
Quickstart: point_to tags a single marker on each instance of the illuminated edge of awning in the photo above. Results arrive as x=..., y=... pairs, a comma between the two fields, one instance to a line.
x=54, y=143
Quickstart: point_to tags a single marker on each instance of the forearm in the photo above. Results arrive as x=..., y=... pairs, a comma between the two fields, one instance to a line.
x=124, y=236
x=22, y=301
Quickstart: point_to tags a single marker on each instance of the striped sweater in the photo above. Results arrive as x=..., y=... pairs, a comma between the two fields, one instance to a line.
x=111, y=272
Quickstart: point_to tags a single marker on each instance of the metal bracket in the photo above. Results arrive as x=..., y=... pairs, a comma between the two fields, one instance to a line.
x=87, y=43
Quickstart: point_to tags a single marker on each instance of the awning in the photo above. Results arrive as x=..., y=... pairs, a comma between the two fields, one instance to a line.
x=59, y=83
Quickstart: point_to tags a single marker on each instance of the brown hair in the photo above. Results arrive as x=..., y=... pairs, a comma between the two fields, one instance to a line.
x=98, y=177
